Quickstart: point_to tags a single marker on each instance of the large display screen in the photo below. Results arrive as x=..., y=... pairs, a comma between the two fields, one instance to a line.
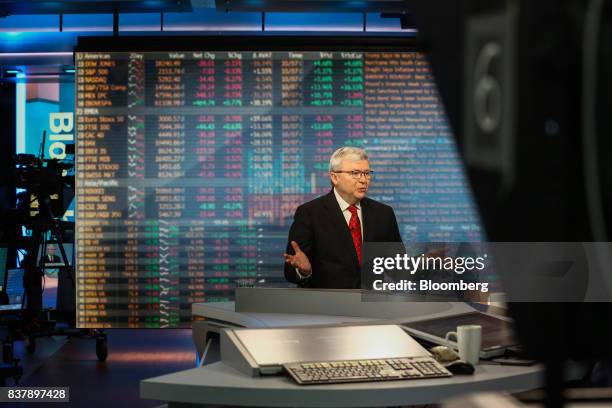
x=190, y=165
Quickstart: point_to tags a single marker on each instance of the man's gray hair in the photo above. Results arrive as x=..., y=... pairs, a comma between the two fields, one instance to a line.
x=346, y=152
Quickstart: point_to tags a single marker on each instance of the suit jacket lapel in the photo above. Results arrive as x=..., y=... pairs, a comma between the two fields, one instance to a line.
x=369, y=219
x=337, y=219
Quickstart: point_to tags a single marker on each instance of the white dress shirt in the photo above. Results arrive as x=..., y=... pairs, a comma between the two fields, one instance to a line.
x=347, y=216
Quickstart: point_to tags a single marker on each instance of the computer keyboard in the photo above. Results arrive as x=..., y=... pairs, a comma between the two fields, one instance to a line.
x=390, y=369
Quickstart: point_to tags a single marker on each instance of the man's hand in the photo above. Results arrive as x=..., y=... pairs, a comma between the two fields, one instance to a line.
x=299, y=260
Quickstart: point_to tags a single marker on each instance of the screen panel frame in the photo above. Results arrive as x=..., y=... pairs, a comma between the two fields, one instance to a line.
x=368, y=43
x=247, y=43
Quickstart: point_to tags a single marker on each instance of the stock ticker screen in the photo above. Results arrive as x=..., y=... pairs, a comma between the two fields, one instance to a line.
x=190, y=166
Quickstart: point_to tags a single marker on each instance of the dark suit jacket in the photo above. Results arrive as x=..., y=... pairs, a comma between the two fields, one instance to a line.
x=56, y=259
x=322, y=233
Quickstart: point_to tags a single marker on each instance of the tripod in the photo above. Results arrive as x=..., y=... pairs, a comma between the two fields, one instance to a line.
x=40, y=226
x=33, y=325
x=46, y=184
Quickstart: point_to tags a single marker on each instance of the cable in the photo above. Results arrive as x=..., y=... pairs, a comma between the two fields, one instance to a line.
x=41, y=263
x=590, y=157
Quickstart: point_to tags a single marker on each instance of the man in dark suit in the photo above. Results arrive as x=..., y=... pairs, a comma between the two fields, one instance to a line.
x=51, y=257
x=326, y=237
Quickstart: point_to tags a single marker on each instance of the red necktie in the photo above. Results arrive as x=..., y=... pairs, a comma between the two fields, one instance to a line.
x=355, y=228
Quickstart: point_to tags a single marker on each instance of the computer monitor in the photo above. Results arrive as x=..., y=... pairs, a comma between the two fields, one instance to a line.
x=14, y=285
x=3, y=252
x=3, y=265
x=52, y=266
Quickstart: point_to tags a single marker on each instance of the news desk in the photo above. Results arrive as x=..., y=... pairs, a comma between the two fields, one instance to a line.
x=218, y=383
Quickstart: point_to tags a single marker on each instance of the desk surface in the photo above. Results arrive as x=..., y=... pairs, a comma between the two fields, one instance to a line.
x=224, y=313
x=311, y=307
x=220, y=384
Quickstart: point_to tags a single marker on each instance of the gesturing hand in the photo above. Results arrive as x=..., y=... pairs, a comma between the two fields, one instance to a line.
x=299, y=260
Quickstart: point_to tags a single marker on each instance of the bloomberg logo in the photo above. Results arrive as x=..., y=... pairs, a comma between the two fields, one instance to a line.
x=61, y=125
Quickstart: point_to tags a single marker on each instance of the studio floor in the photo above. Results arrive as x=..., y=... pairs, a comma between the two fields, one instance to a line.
x=133, y=355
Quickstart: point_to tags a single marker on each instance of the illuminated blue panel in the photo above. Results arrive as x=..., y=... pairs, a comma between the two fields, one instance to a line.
x=20, y=123
x=88, y=22
x=37, y=42
x=314, y=22
x=37, y=119
x=31, y=23
x=140, y=22
x=208, y=19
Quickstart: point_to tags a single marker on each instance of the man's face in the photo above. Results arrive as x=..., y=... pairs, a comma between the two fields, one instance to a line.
x=351, y=189
x=51, y=250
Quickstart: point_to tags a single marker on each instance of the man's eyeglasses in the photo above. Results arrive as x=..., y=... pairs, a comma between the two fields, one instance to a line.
x=356, y=174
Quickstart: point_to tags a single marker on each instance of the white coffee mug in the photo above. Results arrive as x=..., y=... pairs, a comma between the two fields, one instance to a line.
x=469, y=338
